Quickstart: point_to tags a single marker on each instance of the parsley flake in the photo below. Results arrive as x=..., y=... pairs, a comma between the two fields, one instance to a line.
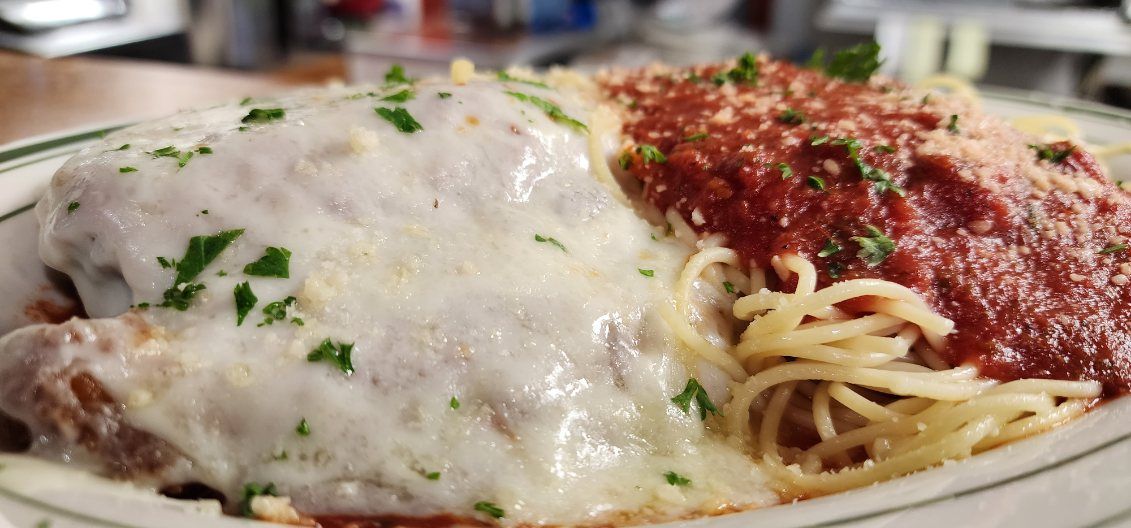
x=551, y=109
x=400, y=118
x=551, y=240
x=883, y=149
x=646, y=272
x=124, y=170
x=745, y=72
x=625, y=160
x=1114, y=248
x=816, y=182
x=694, y=391
x=434, y=475
x=201, y=251
x=649, y=153
x=453, y=403
x=490, y=509
x=952, y=126
x=245, y=101
x=263, y=115
x=696, y=137
x=791, y=117
x=830, y=248
x=443, y=95
x=338, y=354
x=729, y=286
x=277, y=311
x=245, y=301
x=123, y=147
x=855, y=64
x=675, y=479
x=303, y=428
x=875, y=247
x=506, y=77
x=72, y=207
x=396, y=75
x=786, y=170
x=1052, y=155
x=400, y=97
x=252, y=490
x=274, y=263
x=818, y=140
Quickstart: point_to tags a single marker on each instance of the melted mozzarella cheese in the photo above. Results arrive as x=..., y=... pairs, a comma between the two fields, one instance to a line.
x=420, y=249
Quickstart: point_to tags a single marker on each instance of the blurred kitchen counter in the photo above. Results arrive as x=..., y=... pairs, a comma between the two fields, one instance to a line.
x=51, y=95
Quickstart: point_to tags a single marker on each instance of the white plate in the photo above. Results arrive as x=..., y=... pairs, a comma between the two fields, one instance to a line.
x=1075, y=476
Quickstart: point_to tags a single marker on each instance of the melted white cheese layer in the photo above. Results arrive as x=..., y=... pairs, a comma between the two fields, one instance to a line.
x=418, y=248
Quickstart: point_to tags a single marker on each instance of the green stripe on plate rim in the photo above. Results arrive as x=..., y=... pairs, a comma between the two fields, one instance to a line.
x=26, y=150
x=1063, y=105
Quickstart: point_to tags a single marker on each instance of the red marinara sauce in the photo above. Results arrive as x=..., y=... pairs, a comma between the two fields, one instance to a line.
x=1021, y=245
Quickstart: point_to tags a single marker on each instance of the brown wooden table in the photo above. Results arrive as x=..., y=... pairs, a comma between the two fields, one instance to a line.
x=39, y=96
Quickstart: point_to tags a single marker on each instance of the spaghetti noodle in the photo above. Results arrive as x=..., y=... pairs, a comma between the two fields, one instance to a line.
x=869, y=387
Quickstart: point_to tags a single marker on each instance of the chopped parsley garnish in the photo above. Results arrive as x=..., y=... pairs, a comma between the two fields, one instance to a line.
x=882, y=179
x=650, y=153
x=786, y=170
x=696, y=137
x=952, y=126
x=834, y=270
x=396, y=75
x=274, y=263
x=729, y=286
x=694, y=391
x=1114, y=248
x=1047, y=153
x=245, y=301
x=400, y=97
x=124, y=170
x=816, y=182
x=245, y=101
x=625, y=160
x=263, y=115
x=745, y=72
x=791, y=117
x=855, y=64
x=490, y=509
x=303, y=428
x=875, y=247
x=830, y=248
x=72, y=207
x=443, y=95
x=675, y=479
x=123, y=147
x=551, y=240
x=821, y=140
x=434, y=475
x=252, y=490
x=178, y=297
x=454, y=403
x=646, y=272
x=883, y=149
x=277, y=311
x=506, y=77
x=400, y=118
x=201, y=251
x=551, y=109
x=338, y=354
x=204, y=150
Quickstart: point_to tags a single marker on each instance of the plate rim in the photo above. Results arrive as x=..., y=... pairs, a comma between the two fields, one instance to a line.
x=15, y=154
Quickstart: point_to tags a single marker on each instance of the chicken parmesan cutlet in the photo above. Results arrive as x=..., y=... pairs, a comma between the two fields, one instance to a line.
x=1021, y=243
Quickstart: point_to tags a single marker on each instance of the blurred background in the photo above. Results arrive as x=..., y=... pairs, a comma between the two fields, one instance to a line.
x=1076, y=48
